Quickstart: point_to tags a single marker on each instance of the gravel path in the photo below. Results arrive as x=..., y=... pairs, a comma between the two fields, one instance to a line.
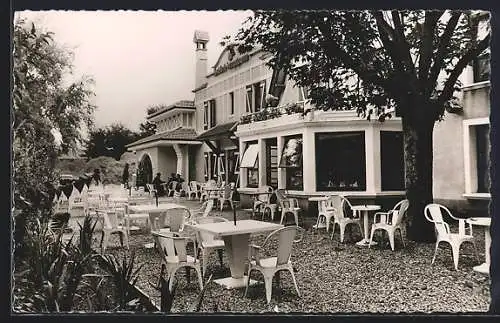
x=336, y=277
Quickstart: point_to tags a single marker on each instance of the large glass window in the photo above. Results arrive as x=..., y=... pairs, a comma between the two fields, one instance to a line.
x=250, y=161
x=340, y=161
x=483, y=158
x=291, y=159
x=392, y=161
x=272, y=163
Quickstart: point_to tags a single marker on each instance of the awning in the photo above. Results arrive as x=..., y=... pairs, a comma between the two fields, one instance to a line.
x=249, y=159
x=219, y=131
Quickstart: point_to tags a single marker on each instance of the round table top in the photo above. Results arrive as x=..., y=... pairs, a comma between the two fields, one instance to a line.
x=366, y=207
x=480, y=221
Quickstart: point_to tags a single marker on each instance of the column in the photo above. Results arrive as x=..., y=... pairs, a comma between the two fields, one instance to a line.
x=309, y=160
x=372, y=155
x=262, y=162
x=180, y=158
x=281, y=171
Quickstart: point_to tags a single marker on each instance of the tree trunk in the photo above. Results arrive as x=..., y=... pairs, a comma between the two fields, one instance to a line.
x=418, y=153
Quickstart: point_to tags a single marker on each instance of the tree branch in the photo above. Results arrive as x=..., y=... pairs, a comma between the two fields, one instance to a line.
x=448, y=89
x=444, y=41
x=403, y=48
x=358, y=67
x=430, y=21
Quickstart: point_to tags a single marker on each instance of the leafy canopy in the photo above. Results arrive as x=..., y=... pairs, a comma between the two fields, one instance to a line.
x=369, y=60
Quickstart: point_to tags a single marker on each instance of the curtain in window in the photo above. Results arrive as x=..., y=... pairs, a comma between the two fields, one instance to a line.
x=292, y=153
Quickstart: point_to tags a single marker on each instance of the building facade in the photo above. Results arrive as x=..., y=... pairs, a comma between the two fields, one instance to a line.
x=232, y=132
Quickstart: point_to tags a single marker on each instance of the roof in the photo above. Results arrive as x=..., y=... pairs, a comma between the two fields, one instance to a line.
x=186, y=134
x=204, y=85
x=218, y=131
x=200, y=36
x=185, y=104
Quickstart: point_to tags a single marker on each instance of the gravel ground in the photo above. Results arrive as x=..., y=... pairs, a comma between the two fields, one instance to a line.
x=335, y=277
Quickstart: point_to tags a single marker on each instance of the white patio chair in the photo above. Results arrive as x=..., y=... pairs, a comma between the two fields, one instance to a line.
x=433, y=214
x=152, y=190
x=172, y=188
x=262, y=199
x=343, y=205
x=174, y=255
x=226, y=196
x=326, y=212
x=207, y=242
x=193, y=189
x=171, y=220
x=204, y=210
x=186, y=189
x=290, y=206
x=111, y=225
x=281, y=261
x=390, y=222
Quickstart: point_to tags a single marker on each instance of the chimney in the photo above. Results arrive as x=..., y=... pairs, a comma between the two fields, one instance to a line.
x=201, y=39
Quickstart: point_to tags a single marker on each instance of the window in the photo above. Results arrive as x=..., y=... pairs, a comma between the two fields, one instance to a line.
x=340, y=161
x=291, y=159
x=206, y=169
x=213, y=166
x=392, y=161
x=259, y=95
x=205, y=115
x=231, y=103
x=249, y=97
x=481, y=67
x=220, y=165
x=212, y=115
x=477, y=156
x=483, y=158
x=232, y=165
x=256, y=97
x=272, y=163
x=250, y=161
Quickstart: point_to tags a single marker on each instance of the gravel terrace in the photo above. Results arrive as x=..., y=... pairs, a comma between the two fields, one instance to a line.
x=333, y=277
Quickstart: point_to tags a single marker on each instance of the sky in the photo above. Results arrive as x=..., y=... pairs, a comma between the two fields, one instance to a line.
x=137, y=58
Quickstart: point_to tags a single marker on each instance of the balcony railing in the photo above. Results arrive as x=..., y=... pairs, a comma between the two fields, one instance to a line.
x=302, y=107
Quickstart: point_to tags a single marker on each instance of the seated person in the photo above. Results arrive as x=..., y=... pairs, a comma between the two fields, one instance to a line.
x=157, y=181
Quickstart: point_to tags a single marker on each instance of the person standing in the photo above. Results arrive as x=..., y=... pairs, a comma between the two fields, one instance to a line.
x=125, y=176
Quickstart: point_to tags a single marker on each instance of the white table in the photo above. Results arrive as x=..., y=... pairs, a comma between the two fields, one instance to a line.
x=486, y=223
x=236, y=240
x=365, y=209
x=318, y=198
x=153, y=208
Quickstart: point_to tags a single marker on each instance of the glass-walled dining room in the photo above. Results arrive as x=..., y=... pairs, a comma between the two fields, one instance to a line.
x=357, y=158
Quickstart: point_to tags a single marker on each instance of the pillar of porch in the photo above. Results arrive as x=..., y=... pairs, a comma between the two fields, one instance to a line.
x=182, y=160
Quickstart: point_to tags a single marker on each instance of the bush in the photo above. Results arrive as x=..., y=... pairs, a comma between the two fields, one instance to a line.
x=111, y=169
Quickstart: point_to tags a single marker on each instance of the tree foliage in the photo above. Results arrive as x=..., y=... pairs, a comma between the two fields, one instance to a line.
x=43, y=104
x=386, y=57
x=376, y=62
x=109, y=141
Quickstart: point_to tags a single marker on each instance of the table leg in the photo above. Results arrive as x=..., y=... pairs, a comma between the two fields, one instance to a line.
x=236, y=247
x=366, y=239
x=484, y=268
